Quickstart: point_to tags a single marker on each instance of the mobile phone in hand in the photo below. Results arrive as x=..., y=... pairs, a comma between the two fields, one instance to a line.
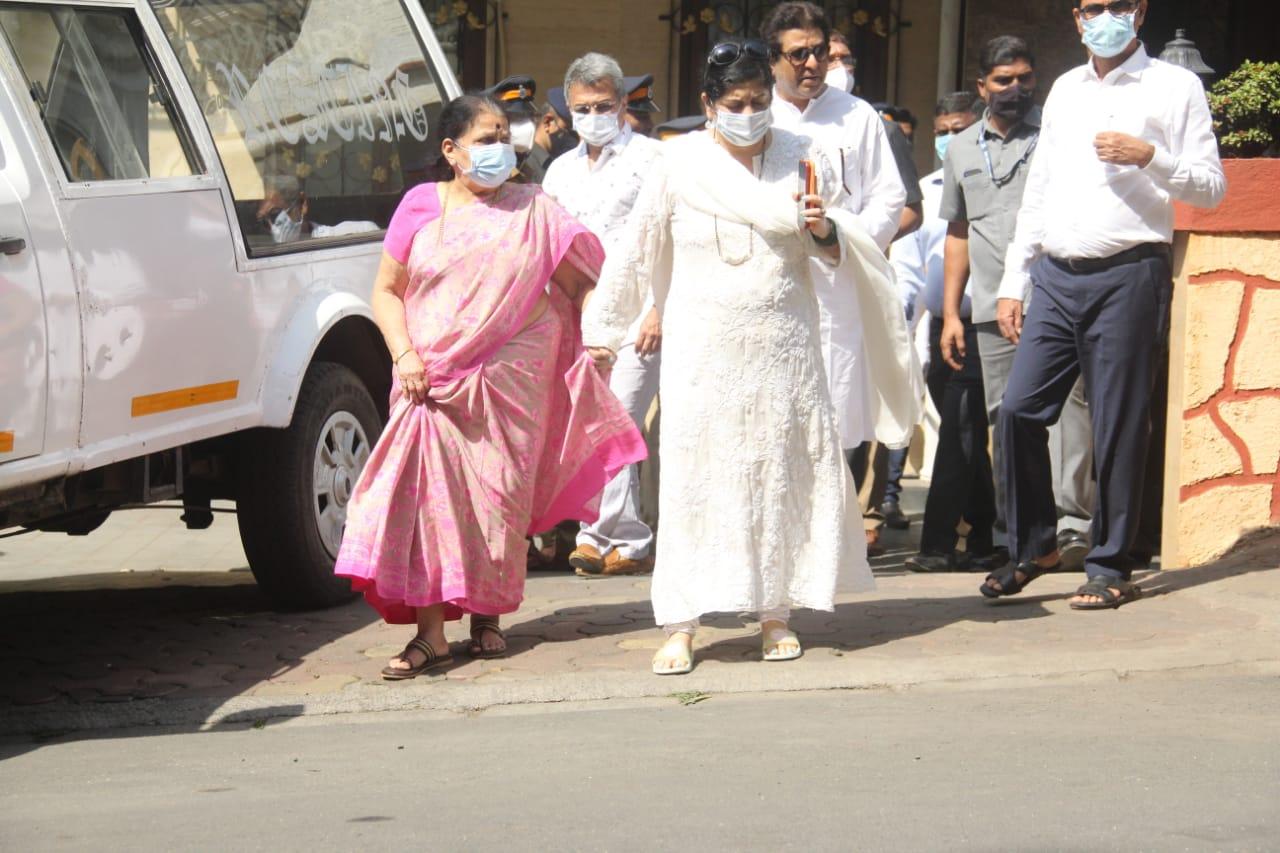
x=807, y=183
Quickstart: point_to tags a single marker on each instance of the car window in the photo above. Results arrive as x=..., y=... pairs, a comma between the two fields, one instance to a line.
x=101, y=101
x=321, y=115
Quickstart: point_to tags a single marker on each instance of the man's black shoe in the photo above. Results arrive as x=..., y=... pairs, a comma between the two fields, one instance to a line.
x=923, y=562
x=894, y=517
x=989, y=561
x=1073, y=547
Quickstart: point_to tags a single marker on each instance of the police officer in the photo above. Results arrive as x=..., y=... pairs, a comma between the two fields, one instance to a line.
x=515, y=95
x=640, y=103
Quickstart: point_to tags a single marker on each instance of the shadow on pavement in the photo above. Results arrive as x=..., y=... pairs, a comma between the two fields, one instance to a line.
x=120, y=638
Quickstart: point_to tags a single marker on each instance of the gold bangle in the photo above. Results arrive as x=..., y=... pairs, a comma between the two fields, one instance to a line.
x=396, y=360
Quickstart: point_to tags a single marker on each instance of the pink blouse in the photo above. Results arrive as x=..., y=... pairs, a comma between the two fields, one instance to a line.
x=419, y=206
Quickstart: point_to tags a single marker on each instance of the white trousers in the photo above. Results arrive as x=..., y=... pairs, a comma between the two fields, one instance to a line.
x=634, y=381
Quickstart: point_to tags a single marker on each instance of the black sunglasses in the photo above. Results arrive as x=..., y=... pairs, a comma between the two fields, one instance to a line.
x=801, y=55
x=1115, y=7
x=729, y=52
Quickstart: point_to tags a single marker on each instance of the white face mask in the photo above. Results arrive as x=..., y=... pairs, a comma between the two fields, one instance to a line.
x=597, y=130
x=838, y=77
x=284, y=229
x=743, y=129
x=522, y=136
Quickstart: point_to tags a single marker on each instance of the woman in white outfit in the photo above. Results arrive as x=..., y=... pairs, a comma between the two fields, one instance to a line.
x=758, y=508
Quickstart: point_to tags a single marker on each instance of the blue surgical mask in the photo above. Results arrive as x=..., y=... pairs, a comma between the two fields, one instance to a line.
x=491, y=165
x=1108, y=35
x=941, y=144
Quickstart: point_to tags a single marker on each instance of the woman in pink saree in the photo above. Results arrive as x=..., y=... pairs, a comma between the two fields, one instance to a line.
x=500, y=424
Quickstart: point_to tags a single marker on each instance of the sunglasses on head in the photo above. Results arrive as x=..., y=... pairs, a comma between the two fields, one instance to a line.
x=1115, y=7
x=729, y=52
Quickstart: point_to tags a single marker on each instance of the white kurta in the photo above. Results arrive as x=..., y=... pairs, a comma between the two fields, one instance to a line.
x=851, y=134
x=758, y=507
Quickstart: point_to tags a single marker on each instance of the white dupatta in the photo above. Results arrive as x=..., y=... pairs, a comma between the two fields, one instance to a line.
x=709, y=180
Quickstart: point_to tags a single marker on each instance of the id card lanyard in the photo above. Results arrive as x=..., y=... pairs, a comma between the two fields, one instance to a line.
x=986, y=154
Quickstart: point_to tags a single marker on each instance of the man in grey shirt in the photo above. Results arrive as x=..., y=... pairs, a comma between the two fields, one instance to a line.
x=985, y=172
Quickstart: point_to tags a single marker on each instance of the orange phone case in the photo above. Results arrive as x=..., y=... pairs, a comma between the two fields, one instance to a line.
x=810, y=177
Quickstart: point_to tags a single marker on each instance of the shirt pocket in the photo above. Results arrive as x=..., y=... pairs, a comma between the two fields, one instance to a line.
x=981, y=199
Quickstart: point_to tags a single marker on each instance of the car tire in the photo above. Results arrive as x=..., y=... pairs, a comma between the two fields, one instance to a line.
x=291, y=528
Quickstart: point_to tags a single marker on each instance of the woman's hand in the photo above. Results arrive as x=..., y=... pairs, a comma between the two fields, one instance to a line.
x=649, y=339
x=815, y=216
x=603, y=358
x=413, y=377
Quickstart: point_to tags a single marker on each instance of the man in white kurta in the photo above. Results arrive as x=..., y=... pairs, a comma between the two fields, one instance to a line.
x=598, y=184
x=852, y=135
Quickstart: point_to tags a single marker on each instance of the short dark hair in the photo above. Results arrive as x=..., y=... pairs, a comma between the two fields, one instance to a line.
x=836, y=35
x=718, y=79
x=794, y=16
x=959, y=102
x=1004, y=50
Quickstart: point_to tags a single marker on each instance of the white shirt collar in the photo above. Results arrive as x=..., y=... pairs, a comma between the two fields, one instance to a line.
x=810, y=104
x=1131, y=67
x=610, y=149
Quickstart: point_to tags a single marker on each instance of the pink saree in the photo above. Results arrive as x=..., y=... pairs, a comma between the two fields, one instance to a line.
x=519, y=432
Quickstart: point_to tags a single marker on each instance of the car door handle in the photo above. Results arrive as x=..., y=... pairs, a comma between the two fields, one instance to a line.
x=12, y=245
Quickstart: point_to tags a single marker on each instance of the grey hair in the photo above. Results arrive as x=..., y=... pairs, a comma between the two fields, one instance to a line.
x=592, y=70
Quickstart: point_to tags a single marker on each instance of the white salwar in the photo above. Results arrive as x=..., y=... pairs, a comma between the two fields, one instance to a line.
x=759, y=509
x=851, y=134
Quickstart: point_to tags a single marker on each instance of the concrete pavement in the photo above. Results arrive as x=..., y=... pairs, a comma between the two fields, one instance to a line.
x=176, y=639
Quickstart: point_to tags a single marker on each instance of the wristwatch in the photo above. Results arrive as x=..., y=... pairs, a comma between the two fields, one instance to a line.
x=830, y=239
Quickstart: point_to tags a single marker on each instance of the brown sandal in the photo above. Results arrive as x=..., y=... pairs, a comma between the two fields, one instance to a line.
x=480, y=624
x=390, y=673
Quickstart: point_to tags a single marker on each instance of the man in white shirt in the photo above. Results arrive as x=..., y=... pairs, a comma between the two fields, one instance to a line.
x=1122, y=138
x=852, y=134
x=598, y=183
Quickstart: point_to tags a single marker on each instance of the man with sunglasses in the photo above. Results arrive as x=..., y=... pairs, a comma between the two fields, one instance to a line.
x=854, y=135
x=1122, y=138
x=598, y=183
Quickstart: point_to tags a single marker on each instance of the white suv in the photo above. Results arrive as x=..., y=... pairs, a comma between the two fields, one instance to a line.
x=192, y=199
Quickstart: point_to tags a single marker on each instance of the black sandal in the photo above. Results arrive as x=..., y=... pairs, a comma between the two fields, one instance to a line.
x=1100, y=587
x=391, y=673
x=480, y=624
x=1007, y=577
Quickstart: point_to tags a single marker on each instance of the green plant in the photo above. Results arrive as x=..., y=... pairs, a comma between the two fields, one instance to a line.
x=1246, y=110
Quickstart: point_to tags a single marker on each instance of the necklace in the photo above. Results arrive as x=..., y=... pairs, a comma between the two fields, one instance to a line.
x=756, y=171
x=444, y=207
x=751, y=245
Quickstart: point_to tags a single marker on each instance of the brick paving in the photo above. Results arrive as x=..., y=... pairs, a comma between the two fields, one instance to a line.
x=177, y=639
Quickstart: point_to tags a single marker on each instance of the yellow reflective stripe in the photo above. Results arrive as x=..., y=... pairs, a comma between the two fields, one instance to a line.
x=6, y=442
x=200, y=395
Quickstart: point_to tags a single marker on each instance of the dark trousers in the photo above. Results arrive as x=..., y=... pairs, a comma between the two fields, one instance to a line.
x=962, y=485
x=1113, y=326
x=897, y=467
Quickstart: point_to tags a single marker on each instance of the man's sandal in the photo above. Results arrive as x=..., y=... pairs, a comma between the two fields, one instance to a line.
x=1101, y=587
x=433, y=660
x=1007, y=577
x=480, y=624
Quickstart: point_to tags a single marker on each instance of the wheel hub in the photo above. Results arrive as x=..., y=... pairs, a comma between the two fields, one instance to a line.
x=342, y=449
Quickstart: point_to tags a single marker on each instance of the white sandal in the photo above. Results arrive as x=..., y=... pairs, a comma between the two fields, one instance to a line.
x=772, y=639
x=685, y=663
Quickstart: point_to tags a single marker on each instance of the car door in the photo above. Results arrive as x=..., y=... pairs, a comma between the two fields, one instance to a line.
x=24, y=375
x=162, y=304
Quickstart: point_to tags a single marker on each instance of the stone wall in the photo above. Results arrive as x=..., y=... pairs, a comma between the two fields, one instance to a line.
x=1225, y=423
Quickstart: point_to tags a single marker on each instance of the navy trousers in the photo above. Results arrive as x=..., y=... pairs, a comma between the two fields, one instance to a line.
x=1113, y=327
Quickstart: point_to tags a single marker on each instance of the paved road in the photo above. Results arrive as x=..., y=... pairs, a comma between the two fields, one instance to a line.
x=1166, y=763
